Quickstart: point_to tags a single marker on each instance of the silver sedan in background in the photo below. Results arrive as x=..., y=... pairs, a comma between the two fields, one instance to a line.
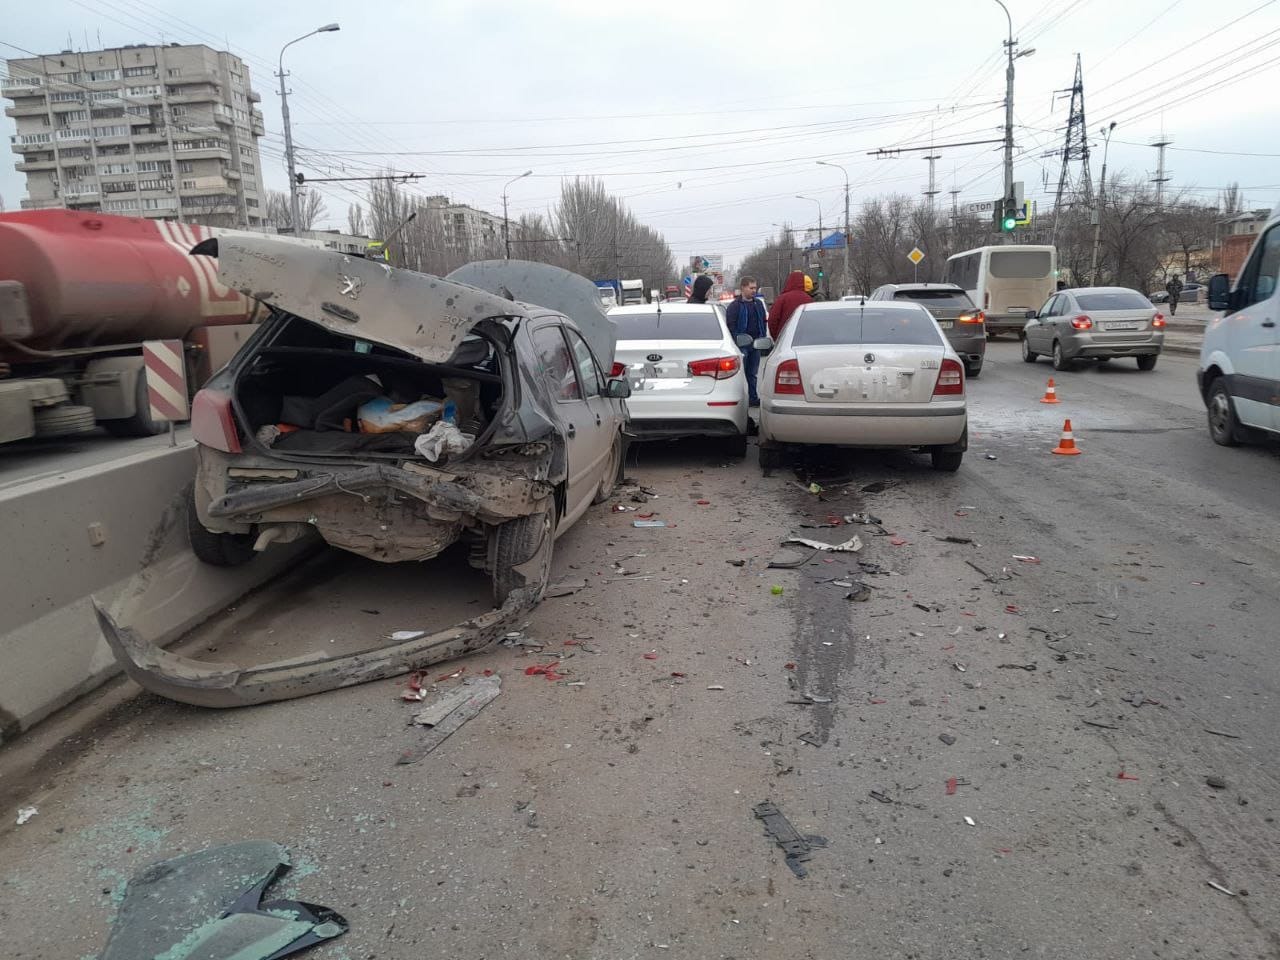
x=1094, y=323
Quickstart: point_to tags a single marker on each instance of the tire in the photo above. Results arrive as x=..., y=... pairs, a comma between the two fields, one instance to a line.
x=613, y=472
x=947, y=461
x=64, y=420
x=1059, y=361
x=516, y=543
x=140, y=424
x=771, y=457
x=973, y=372
x=1224, y=428
x=1028, y=354
x=216, y=549
x=736, y=447
x=1148, y=362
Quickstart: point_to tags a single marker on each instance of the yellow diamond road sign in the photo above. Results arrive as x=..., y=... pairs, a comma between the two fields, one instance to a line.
x=916, y=255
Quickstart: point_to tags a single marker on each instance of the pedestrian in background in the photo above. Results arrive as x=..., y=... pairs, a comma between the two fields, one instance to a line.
x=1174, y=286
x=746, y=314
x=793, y=295
x=701, y=288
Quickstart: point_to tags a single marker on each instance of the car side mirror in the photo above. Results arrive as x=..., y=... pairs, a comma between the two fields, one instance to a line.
x=1032, y=315
x=617, y=390
x=1219, y=292
x=763, y=344
x=743, y=339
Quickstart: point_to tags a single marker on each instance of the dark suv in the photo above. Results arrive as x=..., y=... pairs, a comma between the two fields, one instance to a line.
x=962, y=322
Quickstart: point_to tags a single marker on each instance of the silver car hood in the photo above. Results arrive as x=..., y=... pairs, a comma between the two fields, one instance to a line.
x=553, y=288
x=423, y=315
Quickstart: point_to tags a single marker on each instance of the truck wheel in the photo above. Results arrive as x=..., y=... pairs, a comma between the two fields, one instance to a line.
x=1224, y=428
x=216, y=549
x=64, y=420
x=140, y=424
x=613, y=471
x=523, y=542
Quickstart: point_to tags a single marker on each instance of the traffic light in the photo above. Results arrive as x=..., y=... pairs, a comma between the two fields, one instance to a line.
x=821, y=274
x=1009, y=221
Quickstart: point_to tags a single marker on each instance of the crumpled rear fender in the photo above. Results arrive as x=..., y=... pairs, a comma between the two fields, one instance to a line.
x=213, y=684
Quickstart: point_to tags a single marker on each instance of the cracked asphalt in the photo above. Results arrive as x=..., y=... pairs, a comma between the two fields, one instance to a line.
x=1014, y=761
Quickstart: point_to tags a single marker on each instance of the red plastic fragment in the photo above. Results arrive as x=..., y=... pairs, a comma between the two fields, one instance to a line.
x=651, y=656
x=952, y=783
x=1125, y=776
x=704, y=503
x=676, y=673
x=789, y=666
x=1011, y=608
x=898, y=541
x=877, y=700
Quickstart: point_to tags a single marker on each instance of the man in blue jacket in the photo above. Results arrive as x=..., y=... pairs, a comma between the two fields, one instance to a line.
x=746, y=314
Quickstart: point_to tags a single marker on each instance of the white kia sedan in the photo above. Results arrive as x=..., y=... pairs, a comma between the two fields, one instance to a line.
x=685, y=373
x=879, y=374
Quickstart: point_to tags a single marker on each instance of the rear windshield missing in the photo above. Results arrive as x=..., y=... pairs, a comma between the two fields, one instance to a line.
x=1116, y=300
x=669, y=325
x=1021, y=264
x=820, y=328
x=935, y=298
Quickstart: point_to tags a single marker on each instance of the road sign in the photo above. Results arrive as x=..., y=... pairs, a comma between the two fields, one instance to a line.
x=981, y=206
x=916, y=255
x=1028, y=213
x=712, y=264
x=166, y=379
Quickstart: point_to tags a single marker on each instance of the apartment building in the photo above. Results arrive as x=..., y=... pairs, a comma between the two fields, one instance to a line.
x=466, y=229
x=148, y=131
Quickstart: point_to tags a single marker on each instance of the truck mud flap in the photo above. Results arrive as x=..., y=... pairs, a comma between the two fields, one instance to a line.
x=213, y=684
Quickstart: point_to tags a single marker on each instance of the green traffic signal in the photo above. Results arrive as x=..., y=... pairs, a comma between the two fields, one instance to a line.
x=1009, y=223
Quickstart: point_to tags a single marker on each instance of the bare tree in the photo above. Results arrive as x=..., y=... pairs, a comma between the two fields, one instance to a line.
x=1189, y=229
x=311, y=207
x=355, y=220
x=1229, y=200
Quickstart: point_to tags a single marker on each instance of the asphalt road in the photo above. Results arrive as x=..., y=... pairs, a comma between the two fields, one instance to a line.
x=614, y=819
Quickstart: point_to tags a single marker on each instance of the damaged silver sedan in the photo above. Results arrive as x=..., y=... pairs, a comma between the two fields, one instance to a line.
x=395, y=414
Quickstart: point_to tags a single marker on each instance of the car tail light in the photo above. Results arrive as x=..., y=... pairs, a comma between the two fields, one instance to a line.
x=978, y=317
x=950, y=380
x=787, y=379
x=1082, y=322
x=722, y=368
x=212, y=422
x=1158, y=322
x=617, y=370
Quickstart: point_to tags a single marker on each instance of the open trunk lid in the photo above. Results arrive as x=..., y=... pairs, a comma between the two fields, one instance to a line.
x=420, y=314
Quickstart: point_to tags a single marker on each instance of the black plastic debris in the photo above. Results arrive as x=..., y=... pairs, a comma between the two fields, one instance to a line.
x=1029, y=667
x=208, y=906
x=861, y=592
x=797, y=848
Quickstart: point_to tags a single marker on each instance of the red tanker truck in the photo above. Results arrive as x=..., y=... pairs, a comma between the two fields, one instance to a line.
x=79, y=293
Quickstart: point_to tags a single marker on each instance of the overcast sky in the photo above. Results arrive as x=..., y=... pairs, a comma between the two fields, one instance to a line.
x=709, y=118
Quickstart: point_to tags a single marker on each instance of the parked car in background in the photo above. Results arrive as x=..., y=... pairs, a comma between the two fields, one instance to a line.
x=685, y=373
x=880, y=374
x=1005, y=282
x=1239, y=372
x=1192, y=292
x=962, y=322
x=1094, y=323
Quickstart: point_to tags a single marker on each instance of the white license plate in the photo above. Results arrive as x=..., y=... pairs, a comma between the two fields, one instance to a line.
x=945, y=324
x=1123, y=325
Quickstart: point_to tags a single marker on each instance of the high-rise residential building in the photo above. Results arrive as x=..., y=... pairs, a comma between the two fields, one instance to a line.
x=466, y=229
x=148, y=131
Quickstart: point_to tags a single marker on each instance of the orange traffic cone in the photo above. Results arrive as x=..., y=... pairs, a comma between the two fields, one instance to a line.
x=1067, y=444
x=1050, y=393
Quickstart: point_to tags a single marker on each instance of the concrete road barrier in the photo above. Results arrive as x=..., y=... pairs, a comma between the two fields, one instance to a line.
x=115, y=531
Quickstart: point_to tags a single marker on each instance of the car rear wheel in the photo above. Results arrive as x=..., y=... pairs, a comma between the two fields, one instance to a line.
x=525, y=542
x=736, y=447
x=1148, y=362
x=973, y=371
x=613, y=470
x=1060, y=362
x=946, y=460
x=771, y=456
x=1028, y=354
x=1224, y=428
x=216, y=549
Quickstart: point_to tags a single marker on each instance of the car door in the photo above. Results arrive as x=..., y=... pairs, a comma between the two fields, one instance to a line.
x=556, y=365
x=607, y=416
x=1254, y=337
x=1036, y=334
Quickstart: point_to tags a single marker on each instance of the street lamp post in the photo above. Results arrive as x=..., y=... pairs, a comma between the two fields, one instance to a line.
x=295, y=213
x=1102, y=193
x=1007, y=198
x=820, y=238
x=506, y=223
x=847, y=232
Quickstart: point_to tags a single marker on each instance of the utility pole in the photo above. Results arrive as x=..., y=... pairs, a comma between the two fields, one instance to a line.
x=1009, y=46
x=506, y=222
x=295, y=212
x=820, y=237
x=1102, y=199
x=932, y=190
x=848, y=233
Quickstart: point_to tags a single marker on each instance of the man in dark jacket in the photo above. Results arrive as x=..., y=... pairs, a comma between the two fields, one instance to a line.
x=746, y=314
x=792, y=296
x=1174, y=286
x=701, y=287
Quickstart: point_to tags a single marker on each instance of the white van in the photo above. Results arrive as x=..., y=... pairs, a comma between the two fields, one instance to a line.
x=1239, y=372
x=1005, y=282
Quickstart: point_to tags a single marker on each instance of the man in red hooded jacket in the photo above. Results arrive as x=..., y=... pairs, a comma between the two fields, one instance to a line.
x=792, y=296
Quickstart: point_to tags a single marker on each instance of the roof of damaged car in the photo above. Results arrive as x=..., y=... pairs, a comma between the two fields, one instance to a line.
x=421, y=314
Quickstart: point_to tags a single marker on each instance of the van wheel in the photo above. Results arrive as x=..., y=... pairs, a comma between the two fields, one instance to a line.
x=216, y=549
x=612, y=475
x=1059, y=361
x=527, y=543
x=1224, y=428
